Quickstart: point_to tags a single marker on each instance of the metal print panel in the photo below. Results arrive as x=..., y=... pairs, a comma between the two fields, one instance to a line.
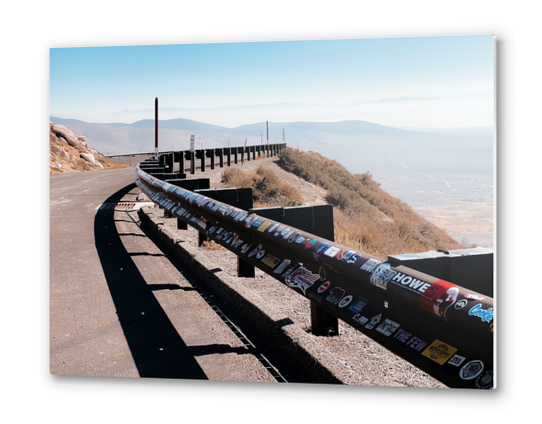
x=316, y=211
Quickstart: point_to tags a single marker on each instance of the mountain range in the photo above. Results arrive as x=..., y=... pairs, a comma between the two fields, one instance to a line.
x=358, y=145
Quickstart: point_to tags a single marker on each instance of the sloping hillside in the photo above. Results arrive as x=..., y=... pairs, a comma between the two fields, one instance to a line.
x=71, y=153
x=366, y=217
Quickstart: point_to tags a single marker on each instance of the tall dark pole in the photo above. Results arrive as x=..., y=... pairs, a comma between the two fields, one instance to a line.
x=267, y=128
x=156, y=128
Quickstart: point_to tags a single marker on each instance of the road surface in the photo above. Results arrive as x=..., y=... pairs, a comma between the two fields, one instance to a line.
x=118, y=307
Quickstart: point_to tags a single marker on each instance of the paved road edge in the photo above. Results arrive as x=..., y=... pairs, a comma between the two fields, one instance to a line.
x=290, y=349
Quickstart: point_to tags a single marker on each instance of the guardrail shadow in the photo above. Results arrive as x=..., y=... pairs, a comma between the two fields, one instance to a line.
x=157, y=349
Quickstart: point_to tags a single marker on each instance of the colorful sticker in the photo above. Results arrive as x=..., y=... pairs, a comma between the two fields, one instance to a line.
x=347, y=255
x=473, y=296
x=360, y=318
x=461, y=304
x=240, y=217
x=260, y=254
x=374, y=321
x=484, y=315
x=273, y=228
x=282, y=266
x=438, y=297
x=335, y=295
x=270, y=260
x=370, y=265
x=257, y=223
x=358, y=305
x=322, y=273
x=332, y=251
x=245, y=247
x=255, y=250
x=485, y=381
x=264, y=226
x=288, y=234
x=456, y=360
x=302, y=279
x=320, y=249
x=387, y=327
x=323, y=287
x=310, y=244
x=352, y=259
x=381, y=275
x=471, y=370
x=345, y=301
x=293, y=237
x=300, y=240
x=439, y=352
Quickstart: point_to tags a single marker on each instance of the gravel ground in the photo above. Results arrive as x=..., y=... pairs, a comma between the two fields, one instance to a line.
x=352, y=358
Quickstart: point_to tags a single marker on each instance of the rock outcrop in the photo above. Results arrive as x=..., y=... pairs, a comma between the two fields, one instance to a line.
x=71, y=153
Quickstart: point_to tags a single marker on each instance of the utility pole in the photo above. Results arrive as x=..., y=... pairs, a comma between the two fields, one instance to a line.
x=267, y=127
x=156, y=128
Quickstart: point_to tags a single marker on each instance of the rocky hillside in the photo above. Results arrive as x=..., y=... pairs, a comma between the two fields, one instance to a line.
x=71, y=153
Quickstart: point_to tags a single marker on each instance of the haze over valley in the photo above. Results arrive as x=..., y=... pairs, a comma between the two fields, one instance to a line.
x=446, y=176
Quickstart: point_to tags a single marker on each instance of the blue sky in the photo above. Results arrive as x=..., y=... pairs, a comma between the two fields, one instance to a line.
x=425, y=81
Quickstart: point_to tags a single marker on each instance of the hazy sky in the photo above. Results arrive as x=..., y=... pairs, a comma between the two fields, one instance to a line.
x=411, y=81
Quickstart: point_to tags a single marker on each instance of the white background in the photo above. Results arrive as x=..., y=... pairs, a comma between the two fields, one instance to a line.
x=30, y=394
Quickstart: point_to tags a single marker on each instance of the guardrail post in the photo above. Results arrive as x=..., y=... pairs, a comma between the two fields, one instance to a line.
x=211, y=153
x=228, y=158
x=179, y=157
x=220, y=154
x=192, y=162
x=168, y=160
x=317, y=220
x=240, y=198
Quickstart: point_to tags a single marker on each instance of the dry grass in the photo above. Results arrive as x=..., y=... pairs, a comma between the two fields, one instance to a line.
x=366, y=217
x=267, y=189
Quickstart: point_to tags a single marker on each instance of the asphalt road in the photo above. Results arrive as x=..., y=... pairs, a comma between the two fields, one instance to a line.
x=118, y=307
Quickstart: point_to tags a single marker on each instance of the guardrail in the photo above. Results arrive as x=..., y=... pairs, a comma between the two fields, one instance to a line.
x=444, y=329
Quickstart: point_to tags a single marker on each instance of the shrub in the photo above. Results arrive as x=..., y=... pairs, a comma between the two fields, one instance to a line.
x=267, y=189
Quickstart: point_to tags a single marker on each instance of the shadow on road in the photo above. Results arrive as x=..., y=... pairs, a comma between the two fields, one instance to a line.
x=156, y=347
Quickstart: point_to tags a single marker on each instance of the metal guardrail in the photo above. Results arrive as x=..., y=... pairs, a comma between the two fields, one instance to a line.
x=442, y=328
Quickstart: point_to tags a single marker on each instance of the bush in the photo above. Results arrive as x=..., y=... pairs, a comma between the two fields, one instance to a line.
x=267, y=189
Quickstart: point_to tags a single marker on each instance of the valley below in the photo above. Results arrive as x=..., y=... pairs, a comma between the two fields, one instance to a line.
x=465, y=212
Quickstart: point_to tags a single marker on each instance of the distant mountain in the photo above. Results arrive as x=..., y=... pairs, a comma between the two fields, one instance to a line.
x=340, y=128
x=179, y=124
x=358, y=145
